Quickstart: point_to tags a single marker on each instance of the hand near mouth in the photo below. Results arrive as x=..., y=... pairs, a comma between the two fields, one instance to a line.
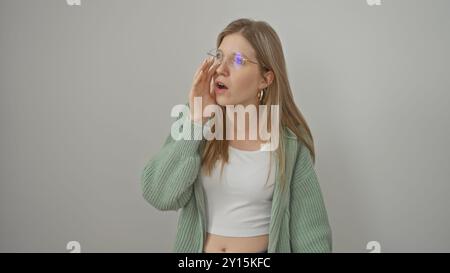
x=203, y=86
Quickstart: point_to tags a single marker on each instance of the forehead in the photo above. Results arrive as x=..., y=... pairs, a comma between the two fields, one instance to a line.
x=236, y=43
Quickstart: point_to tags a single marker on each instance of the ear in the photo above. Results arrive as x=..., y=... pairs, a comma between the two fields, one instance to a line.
x=267, y=79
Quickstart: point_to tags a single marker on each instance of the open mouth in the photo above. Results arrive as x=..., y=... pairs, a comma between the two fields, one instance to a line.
x=220, y=87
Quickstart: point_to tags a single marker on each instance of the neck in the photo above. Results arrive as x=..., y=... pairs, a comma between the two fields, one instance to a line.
x=233, y=123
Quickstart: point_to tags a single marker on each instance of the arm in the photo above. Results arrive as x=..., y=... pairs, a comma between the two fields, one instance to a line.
x=167, y=179
x=310, y=229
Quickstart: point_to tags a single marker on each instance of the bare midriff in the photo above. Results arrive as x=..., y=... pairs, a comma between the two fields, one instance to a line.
x=224, y=244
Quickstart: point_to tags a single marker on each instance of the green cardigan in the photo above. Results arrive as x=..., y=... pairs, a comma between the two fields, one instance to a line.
x=299, y=221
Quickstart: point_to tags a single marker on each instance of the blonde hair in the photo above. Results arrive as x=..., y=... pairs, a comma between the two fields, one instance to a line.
x=269, y=55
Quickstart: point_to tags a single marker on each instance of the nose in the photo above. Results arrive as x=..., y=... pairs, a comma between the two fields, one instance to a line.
x=222, y=69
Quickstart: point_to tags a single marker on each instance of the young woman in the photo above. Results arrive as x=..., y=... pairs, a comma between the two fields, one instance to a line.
x=234, y=195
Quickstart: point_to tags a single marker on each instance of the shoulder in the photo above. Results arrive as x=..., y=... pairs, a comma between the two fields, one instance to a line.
x=303, y=159
x=288, y=134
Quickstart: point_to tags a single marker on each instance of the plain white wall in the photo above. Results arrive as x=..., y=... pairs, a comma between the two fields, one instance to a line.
x=86, y=93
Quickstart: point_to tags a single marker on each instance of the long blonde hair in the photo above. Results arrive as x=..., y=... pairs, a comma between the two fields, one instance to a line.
x=269, y=55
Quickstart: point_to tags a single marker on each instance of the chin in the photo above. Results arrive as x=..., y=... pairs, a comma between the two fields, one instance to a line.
x=228, y=99
x=223, y=101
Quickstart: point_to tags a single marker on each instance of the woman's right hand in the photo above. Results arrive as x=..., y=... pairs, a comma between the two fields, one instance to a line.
x=203, y=86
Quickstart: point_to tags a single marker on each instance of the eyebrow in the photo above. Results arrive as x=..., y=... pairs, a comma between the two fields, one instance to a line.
x=235, y=52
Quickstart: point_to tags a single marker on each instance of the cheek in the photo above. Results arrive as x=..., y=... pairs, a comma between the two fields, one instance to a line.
x=245, y=84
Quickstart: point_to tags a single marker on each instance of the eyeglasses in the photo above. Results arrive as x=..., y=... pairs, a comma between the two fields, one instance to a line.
x=237, y=61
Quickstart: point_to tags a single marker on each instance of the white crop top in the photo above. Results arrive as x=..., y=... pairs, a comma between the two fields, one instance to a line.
x=239, y=204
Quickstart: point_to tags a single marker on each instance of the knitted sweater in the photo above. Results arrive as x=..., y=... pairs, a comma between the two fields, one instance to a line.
x=299, y=221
